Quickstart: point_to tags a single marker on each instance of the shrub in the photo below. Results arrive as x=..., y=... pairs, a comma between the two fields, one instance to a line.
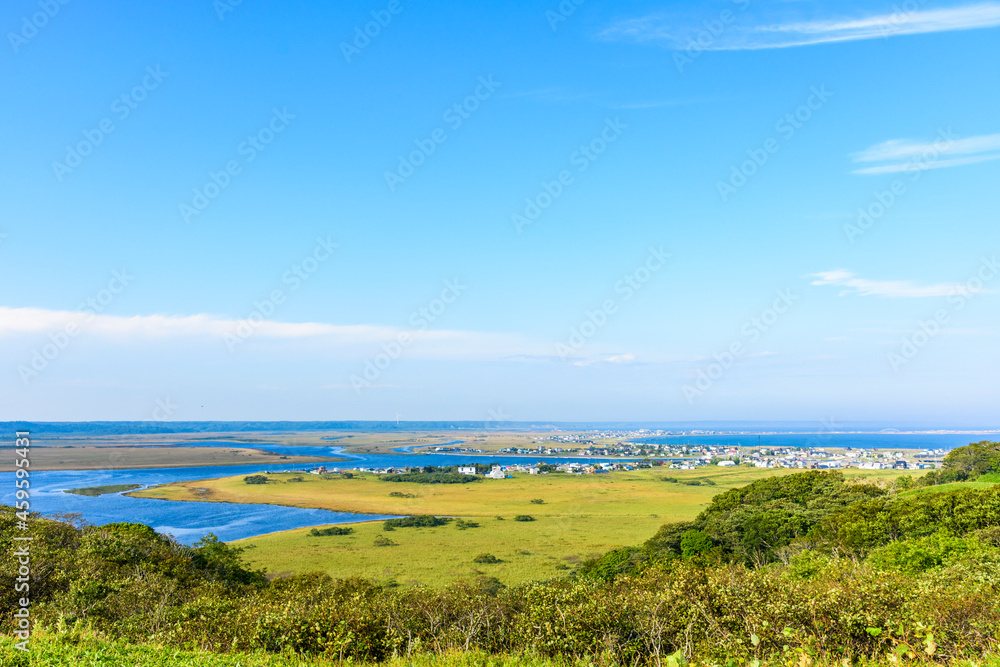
x=256, y=479
x=417, y=521
x=381, y=541
x=524, y=517
x=431, y=478
x=400, y=494
x=332, y=530
x=695, y=542
x=752, y=523
x=924, y=553
x=486, y=559
x=462, y=524
x=537, y=501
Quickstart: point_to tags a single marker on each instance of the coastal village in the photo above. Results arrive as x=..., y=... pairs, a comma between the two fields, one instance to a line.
x=672, y=456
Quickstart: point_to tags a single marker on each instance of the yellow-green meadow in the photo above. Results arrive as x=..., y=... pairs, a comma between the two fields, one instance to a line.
x=579, y=516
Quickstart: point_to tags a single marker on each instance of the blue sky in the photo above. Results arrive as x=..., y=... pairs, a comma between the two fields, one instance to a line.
x=511, y=210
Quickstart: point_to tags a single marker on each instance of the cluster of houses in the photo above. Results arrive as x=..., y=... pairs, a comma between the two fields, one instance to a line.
x=690, y=457
x=820, y=457
x=504, y=471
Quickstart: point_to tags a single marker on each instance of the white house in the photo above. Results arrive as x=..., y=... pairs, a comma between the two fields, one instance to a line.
x=727, y=463
x=496, y=473
x=466, y=470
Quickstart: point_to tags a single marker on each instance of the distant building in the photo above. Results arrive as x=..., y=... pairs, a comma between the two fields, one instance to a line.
x=900, y=465
x=466, y=470
x=496, y=473
x=727, y=463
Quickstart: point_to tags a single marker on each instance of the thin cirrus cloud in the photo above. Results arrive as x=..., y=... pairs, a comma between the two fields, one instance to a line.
x=665, y=29
x=908, y=155
x=442, y=344
x=899, y=289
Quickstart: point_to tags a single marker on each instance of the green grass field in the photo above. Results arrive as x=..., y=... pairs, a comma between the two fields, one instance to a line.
x=71, y=650
x=580, y=517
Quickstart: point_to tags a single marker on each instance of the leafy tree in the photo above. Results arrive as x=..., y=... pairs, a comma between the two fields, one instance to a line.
x=966, y=463
x=223, y=562
x=750, y=524
x=695, y=543
x=615, y=563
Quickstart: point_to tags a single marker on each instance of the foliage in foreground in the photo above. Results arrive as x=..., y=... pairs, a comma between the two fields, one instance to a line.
x=128, y=582
x=802, y=568
x=72, y=649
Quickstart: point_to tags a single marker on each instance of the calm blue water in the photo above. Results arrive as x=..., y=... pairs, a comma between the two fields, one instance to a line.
x=190, y=521
x=856, y=440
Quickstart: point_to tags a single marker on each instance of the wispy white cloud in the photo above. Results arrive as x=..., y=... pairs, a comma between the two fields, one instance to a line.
x=40, y=320
x=666, y=29
x=898, y=289
x=439, y=344
x=627, y=358
x=910, y=155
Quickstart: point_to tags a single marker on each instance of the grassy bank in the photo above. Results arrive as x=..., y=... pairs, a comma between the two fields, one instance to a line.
x=94, y=491
x=580, y=517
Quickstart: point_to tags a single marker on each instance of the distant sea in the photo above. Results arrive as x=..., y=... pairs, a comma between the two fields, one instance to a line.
x=275, y=427
x=906, y=441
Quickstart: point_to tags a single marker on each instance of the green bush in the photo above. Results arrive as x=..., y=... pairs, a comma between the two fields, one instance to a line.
x=416, y=521
x=753, y=523
x=921, y=554
x=524, y=517
x=486, y=559
x=331, y=530
x=695, y=543
x=256, y=479
x=431, y=478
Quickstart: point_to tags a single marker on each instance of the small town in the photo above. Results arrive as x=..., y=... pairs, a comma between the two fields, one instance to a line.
x=690, y=457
